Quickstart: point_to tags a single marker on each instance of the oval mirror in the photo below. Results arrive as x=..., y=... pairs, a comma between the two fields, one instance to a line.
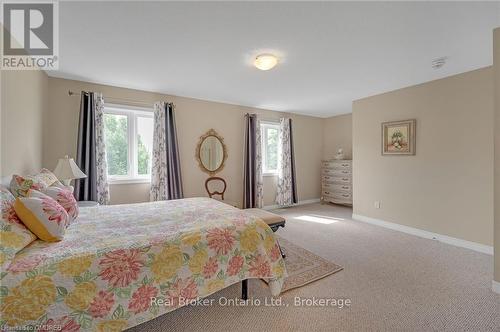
x=211, y=152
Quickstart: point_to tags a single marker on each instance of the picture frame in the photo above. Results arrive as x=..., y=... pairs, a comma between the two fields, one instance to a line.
x=399, y=138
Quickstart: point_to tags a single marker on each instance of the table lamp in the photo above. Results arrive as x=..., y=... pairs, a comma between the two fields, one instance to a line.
x=66, y=170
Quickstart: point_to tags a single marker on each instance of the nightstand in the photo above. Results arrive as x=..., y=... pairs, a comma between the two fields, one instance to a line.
x=87, y=203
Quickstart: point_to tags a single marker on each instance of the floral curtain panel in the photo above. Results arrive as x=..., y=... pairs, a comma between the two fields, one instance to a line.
x=287, y=185
x=91, y=150
x=100, y=151
x=166, y=178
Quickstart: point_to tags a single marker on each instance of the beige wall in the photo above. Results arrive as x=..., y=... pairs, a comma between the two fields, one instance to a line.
x=337, y=134
x=23, y=105
x=496, y=66
x=447, y=187
x=194, y=117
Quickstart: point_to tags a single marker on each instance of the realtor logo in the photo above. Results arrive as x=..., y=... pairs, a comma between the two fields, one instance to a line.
x=30, y=35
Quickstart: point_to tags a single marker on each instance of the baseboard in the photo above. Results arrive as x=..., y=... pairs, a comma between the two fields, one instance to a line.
x=426, y=234
x=304, y=202
x=496, y=286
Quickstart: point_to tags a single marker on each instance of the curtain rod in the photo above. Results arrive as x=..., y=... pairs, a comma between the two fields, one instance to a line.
x=138, y=102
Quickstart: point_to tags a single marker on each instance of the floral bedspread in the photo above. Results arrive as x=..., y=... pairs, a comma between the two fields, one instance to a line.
x=114, y=260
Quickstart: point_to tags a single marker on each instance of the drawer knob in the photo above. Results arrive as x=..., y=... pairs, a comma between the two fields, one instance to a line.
x=345, y=179
x=344, y=187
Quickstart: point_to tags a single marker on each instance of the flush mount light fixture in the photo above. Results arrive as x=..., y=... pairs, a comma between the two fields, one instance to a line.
x=265, y=61
x=439, y=62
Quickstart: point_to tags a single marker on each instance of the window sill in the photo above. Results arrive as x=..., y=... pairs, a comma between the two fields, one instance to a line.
x=128, y=181
x=270, y=174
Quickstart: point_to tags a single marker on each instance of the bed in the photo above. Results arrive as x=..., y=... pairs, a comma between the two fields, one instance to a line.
x=121, y=265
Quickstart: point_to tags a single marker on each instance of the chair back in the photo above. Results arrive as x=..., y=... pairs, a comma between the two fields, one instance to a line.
x=215, y=192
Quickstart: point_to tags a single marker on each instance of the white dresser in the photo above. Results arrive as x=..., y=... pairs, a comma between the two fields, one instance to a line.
x=336, y=181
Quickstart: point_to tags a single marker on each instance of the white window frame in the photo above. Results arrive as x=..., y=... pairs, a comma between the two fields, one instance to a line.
x=264, y=125
x=132, y=113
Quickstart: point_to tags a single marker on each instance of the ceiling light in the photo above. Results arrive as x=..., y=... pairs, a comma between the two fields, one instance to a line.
x=265, y=61
x=439, y=62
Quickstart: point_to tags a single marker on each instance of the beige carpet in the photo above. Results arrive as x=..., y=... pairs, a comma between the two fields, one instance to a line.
x=303, y=266
x=396, y=282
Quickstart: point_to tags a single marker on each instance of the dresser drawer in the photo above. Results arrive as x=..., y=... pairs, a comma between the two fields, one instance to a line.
x=347, y=187
x=337, y=164
x=336, y=179
x=343, y=196
x=344, y=164
x=336, y=172
x=337, y=200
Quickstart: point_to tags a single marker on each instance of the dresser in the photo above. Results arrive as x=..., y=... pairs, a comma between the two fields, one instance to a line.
x=336, y=181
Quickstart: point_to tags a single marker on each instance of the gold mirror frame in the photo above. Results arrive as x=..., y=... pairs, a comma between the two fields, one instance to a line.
x=209, y=133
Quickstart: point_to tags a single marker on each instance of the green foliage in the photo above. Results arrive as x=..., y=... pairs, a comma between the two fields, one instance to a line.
x=115, y=131
x=142, y=157
x=272, y=149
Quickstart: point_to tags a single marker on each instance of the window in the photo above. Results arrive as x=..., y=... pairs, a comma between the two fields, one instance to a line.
x=270, y=137
x=128, y=135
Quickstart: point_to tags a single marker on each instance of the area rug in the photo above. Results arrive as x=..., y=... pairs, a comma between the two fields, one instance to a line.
x=303, y=266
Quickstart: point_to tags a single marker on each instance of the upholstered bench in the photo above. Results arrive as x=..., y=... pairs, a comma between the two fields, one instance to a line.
x=272, y=220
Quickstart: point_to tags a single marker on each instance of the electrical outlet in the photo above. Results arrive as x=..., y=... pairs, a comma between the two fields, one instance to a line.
x=377, y=204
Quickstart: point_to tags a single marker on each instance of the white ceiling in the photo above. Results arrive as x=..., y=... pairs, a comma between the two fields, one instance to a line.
x=331, y=52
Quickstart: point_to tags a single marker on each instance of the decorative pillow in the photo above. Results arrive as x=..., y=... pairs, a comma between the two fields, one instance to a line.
x=62, y=196
x=21, y=185
x=14, y=236
x=46, y=218
x=46, y=177
x=6, y=195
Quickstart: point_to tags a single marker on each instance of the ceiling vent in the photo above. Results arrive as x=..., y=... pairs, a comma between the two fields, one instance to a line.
x=439, y=62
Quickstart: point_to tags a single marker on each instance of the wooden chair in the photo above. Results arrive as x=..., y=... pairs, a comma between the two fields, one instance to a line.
x=215, y=192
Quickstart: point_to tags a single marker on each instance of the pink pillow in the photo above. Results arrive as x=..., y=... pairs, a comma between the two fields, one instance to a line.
x=62, y=196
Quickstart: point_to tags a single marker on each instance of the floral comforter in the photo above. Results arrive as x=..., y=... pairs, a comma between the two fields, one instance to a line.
x=115, y=260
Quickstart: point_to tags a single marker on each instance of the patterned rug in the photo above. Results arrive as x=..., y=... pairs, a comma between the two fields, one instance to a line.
x=303, y=266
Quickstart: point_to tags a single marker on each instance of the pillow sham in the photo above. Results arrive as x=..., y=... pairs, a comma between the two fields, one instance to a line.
x=14, y=236
x=43, y=216
x=21, y=185
x=46, y=177
x=62, y=196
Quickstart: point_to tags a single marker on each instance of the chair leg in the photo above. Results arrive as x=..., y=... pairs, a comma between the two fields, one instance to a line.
x=244, y=289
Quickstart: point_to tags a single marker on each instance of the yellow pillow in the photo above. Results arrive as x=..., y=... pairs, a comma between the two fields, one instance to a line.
x=46, y=218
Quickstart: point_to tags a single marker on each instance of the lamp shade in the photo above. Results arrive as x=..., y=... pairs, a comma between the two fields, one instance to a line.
x=66, y=169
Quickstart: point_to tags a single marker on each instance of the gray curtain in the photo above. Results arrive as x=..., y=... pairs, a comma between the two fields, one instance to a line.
x=86, y=189
x=253, y=184
x=295, y=198
x=174, y=176
x=91, y=150
x=166, y=178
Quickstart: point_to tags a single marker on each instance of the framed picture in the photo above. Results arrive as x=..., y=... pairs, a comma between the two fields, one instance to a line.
x=398, y=137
